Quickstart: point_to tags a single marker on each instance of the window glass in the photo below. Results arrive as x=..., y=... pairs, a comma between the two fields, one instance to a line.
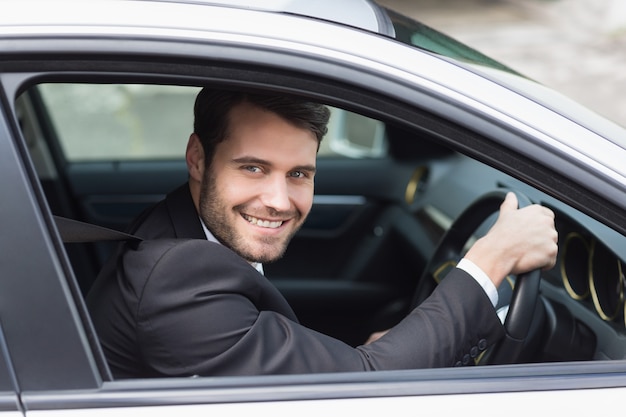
x=96, y=122
x=112, y=122
x=417, y=34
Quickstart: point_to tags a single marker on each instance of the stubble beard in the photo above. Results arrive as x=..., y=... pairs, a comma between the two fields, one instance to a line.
x=215, y=214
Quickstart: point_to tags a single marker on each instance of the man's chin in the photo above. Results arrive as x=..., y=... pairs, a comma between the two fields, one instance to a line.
x=262, y=249
x=264, y=256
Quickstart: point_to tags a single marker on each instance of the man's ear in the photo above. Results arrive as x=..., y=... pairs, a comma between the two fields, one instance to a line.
x=195, y=158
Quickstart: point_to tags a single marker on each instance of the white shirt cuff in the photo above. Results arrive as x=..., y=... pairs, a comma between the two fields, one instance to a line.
x=480, y=277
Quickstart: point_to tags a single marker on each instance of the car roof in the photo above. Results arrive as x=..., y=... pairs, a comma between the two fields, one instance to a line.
x=363, y=14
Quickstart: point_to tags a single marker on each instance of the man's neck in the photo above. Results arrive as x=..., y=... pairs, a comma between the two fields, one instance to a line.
x=209, y=236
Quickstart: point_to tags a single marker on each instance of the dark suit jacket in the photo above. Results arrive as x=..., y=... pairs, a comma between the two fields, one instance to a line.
x=173, y=306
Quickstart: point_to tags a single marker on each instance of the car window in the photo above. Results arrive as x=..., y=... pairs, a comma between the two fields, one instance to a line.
x=152, y=122
x=417, y=34
x=365, y=220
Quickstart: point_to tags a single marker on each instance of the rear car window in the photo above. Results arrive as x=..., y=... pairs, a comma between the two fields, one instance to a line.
x=104, y=122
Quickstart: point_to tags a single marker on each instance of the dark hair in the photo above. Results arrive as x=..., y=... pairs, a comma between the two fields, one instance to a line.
x=212, y=108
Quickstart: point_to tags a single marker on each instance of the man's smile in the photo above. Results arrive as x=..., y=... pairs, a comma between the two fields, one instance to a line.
x=275, y=224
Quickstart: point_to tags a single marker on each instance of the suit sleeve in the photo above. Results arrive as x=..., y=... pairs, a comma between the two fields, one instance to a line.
x=202, y=310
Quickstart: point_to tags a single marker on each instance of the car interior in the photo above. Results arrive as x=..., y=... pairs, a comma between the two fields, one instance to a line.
x=371, y=248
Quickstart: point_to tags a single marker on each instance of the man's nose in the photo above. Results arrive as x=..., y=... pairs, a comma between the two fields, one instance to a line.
x=276, y=194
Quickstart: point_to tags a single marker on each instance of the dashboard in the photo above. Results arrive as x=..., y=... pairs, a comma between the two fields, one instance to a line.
x=584, y=294
x=591, y=272
x=582, y=312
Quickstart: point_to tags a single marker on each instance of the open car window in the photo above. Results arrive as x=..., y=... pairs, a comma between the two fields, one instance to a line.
x=108, y=132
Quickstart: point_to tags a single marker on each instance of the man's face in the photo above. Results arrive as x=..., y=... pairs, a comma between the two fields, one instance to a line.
x=259, y=188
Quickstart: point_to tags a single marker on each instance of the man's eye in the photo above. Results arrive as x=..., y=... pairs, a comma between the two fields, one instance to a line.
x=298, y=174
x=251, y=168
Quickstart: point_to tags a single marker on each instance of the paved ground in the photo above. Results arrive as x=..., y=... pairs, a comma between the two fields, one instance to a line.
x=578, y=47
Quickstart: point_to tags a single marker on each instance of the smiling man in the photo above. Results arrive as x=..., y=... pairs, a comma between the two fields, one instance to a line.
x=191, y=298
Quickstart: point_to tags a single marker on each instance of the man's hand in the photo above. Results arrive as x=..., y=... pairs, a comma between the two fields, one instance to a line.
x=521, y=240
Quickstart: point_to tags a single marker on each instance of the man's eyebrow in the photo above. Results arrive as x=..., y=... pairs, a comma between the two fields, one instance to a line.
x=308, y=168
x=259, y=161
x=251, y=160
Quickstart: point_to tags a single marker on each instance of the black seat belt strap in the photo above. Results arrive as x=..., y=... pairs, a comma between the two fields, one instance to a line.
x=74, y=231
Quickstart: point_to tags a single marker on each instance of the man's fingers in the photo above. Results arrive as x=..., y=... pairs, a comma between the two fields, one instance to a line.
x=509, y=203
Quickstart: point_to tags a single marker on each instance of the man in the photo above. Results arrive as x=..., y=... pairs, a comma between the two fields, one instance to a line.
x=179, y=305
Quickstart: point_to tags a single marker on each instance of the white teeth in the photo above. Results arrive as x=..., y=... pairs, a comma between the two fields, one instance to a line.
x=263, y=223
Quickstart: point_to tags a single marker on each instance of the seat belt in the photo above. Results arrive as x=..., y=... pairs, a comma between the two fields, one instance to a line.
x=74, y=231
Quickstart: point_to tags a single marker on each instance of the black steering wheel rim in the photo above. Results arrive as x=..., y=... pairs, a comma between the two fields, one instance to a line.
x=525, y=295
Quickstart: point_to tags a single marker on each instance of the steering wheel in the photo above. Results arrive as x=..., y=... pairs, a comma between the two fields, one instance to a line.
x=517, y=324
